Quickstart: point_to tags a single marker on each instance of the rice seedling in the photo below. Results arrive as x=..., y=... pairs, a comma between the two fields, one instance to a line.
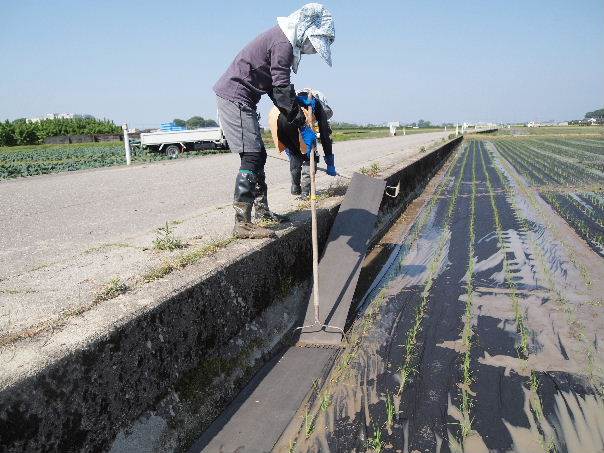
x=467, y=332
x=559, y=297
x=390, y=411
x=376, y=443
x=408, y=367
x=535, y=400
x=325, y=401
x=518, y=316
x=309, y=423
x=591, y=370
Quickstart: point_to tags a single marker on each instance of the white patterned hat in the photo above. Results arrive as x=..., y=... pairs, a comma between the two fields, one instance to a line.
x=312, y=21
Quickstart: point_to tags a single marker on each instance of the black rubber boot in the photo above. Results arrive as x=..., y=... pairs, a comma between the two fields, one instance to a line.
x=262, y=212
x=245, y=189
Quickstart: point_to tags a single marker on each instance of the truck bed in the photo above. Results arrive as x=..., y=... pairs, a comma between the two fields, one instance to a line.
x=206, y=134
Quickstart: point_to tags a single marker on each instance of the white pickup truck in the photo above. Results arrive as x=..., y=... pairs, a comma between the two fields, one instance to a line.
x=172, y=143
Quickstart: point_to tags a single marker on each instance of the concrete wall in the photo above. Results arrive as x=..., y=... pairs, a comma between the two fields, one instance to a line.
x=81, y=401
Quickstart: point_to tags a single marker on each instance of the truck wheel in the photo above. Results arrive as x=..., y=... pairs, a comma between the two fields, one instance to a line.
x=172, y=151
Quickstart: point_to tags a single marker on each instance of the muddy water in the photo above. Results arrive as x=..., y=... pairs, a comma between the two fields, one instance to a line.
x=528, y=288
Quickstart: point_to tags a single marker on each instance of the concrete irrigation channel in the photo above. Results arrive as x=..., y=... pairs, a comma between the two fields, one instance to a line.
x=182, y=347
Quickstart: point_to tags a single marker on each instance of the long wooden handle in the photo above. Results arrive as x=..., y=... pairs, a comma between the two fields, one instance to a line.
x=313, y=213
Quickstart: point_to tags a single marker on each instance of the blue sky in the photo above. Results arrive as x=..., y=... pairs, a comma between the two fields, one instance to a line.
x=149, y=61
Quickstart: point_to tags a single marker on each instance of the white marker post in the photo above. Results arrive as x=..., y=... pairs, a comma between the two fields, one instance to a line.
x=456, y=129
x=126, y=143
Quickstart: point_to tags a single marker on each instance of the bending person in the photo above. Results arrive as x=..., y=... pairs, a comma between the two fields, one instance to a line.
x=288, y=139
x=264, y=67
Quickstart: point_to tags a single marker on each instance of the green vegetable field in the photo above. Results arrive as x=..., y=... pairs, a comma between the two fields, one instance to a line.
x=32, y=160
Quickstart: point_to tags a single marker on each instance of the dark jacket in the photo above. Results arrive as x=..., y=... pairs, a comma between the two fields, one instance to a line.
x=288, y=134
x=263, y=67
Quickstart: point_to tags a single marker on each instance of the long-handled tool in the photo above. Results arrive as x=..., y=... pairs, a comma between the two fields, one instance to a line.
x=317, y=324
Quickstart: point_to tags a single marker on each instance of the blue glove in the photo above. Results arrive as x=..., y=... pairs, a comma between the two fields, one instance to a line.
x=331, y=167
x=309, y=137
x=303, y=100
x=289, y=156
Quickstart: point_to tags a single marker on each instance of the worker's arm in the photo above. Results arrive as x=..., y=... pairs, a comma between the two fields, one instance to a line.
x=325, y=132
x=284, y=99
x=283, y=93
x=324, y=129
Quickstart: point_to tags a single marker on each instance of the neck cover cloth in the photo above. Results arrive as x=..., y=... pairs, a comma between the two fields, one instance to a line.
x=312, y=21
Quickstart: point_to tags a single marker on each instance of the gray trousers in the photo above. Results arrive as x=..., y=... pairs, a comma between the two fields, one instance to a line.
x=240, y=125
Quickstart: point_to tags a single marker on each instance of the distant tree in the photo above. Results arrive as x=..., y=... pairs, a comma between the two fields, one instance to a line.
x=194, y=122
x=197, y=121
x=26, y=134
x=423, y=123
x=595, y=114
x=179, y=122
x=20, y=132
x=343, y=125
x=7, y=134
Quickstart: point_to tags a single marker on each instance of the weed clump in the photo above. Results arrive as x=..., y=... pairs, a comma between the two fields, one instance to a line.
x=373, y=170
x=166, y=241
x=114, y=288
x=185, y=260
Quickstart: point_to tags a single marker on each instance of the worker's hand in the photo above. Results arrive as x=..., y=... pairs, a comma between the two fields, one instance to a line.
x=309, y=137
x=289, y=156
x=303, y=100
x=331, y=167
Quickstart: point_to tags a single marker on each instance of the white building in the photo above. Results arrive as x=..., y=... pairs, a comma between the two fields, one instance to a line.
x=54, y=116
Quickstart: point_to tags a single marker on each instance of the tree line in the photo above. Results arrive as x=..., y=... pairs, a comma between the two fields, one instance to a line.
x=344, y=125
x=22, y=132
x=595, y=114
x=195, y=122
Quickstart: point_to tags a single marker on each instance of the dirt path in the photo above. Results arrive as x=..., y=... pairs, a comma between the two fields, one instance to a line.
x=483, y=336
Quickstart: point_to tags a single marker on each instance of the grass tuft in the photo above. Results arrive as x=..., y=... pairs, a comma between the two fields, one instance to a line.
x=114, y=288
x=185, y=260
x=373, y=170
x=166, y=241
